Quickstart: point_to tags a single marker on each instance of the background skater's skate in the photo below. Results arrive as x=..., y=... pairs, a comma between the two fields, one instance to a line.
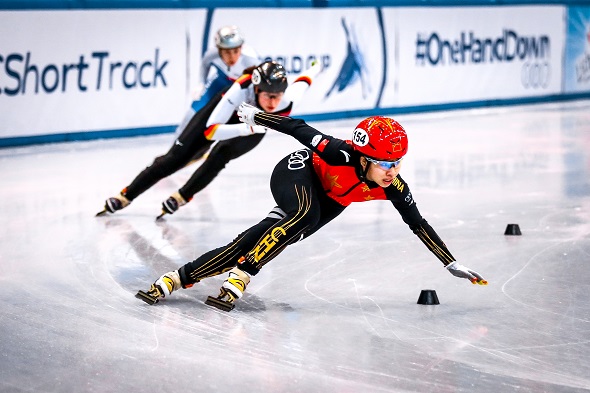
x=172, y=204
x=113, y=204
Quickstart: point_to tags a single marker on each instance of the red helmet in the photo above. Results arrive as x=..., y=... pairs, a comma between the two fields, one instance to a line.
x=380, y=138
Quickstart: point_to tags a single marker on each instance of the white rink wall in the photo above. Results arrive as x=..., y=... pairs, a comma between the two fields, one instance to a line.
x=85, y=74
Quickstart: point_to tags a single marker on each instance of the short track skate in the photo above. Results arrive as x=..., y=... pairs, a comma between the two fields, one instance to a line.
x=146, y=297
x=220, y=304
x=161, y=215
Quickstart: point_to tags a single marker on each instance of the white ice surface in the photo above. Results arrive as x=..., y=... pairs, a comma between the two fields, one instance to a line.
x=334, y=313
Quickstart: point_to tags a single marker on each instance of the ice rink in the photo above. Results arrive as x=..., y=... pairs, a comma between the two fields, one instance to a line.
x=337, y=312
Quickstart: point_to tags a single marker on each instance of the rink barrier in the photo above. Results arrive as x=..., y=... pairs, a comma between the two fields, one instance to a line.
x=83, y=136
x=135, y=132
x=156, y=93
x=211, y=4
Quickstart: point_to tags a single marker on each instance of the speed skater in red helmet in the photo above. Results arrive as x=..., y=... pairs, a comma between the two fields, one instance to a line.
x=382, y=141
x=311, y=187
x=380, y=138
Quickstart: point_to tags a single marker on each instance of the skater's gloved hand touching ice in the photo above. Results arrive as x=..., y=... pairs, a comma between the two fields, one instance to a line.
x=246, y=113
x=458, y=270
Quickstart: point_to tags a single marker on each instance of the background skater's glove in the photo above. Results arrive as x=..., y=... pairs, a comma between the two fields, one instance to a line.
x=246, y=130
x=246, y=113
x=258, y=129
x=461, y=271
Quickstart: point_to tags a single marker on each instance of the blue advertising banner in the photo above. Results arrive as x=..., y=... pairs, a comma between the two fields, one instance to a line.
x=577, y=52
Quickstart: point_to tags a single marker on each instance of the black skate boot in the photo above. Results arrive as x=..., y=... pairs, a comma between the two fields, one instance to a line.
x=163, y=286
x=113, y=204
x=232, y=289
x=170, y=205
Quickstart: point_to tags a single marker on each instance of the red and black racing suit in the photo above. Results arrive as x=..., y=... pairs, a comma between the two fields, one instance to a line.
x=311, y=187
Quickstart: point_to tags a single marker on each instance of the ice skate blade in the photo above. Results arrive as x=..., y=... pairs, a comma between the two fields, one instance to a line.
x=101, y=213
x=146, y=297
x=220, y=304
x=161, y=215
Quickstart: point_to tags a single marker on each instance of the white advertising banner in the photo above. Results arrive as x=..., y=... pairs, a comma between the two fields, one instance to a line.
x=81, y=71
x=69, y=71
x=462, y=54
x=348, y=42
